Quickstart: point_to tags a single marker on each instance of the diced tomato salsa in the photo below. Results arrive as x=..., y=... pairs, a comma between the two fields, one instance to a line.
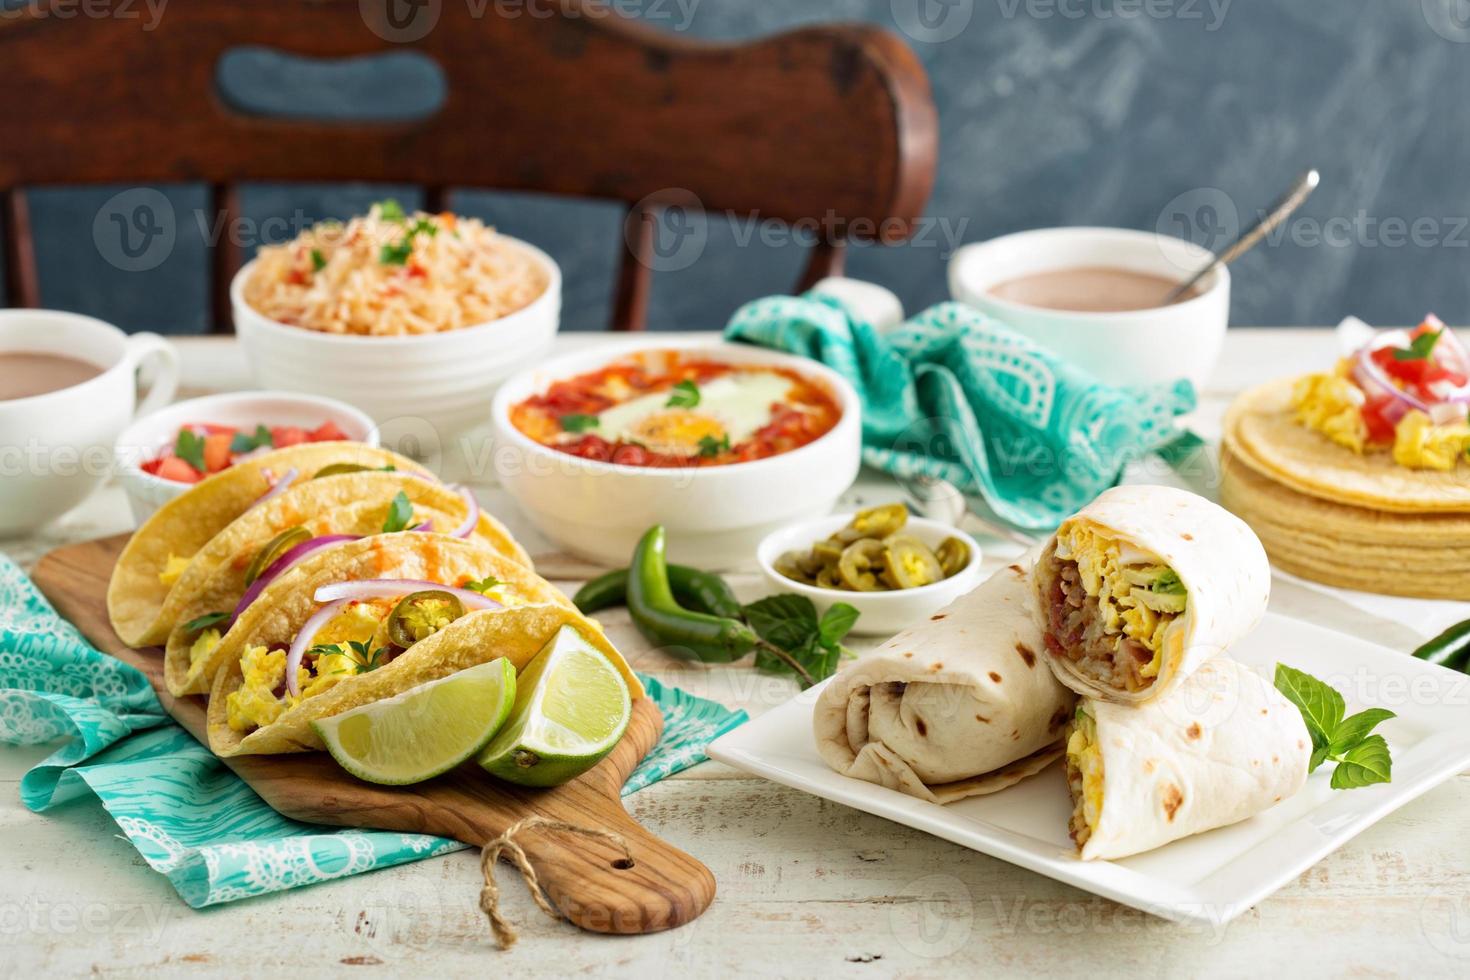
x=808, y=412
x=202, y=450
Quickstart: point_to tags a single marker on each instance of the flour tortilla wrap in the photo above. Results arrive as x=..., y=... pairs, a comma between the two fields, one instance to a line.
x=1222, y=746
x=1225, y=578
x=182, y=527
x=353, y=504
x=960, y=705
x=516, y=632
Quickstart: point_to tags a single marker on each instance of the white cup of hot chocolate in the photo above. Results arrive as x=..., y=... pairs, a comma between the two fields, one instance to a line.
x=68, y=386
x=1095, y=296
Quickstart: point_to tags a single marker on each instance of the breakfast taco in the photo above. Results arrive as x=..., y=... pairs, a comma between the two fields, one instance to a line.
x=226, y=575
x=1385, y=429
x=1142, y=586
x=1222, y=746
x=959, y=706
x=370, y=619
x=160, y=551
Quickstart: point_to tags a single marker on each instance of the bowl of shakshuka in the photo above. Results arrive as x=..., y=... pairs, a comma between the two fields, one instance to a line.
x=721, y=443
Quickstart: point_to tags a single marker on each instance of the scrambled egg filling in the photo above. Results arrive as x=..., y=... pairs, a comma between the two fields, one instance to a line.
x=1085, y=769
x=203, y=646
x=1138, y=596
x=173, y=569
x=1332, y=405
x=1420, y=444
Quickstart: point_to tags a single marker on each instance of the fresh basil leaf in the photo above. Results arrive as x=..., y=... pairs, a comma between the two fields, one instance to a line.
x=190, y=448
x=579, y=423
x=396, y=254
x=787, y=621
x=836, y=623
x=710, y=447
x=685, y=395
x=400, y=513
x=1321, y=705
x=1366, y=763
x=483, y=585
x=390, y=210
x=1355, y=729
x=202, y=623
x=318, y=260
x=1420, y=348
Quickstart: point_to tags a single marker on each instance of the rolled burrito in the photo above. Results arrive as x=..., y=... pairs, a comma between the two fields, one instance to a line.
x=1221, y=747
x=1142, y=586
x=959, y=706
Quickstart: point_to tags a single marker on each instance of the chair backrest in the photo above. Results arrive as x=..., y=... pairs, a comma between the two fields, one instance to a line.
x=830, y=127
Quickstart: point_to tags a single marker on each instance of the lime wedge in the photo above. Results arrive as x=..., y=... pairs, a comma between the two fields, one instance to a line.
x=571, y=708
x=426, y=730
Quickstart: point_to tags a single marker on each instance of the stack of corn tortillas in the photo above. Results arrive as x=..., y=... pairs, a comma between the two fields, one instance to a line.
x=1330, y=515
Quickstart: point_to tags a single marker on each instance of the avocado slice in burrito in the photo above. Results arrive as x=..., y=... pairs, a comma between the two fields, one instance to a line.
x=160, y=552
x=261, y=544
x=369, y=620
x=1223, y=746
x=1142, y=586
x=961, y=705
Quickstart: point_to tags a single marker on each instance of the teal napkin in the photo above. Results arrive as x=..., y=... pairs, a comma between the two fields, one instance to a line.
x=188, y=815
x=956, y=395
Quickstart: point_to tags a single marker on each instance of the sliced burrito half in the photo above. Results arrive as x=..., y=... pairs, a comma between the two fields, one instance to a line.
x=1142, y=586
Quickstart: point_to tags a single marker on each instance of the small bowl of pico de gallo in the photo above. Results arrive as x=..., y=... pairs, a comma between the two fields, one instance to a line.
x=161, y=455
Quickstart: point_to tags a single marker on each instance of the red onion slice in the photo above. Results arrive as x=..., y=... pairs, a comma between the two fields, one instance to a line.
x=281, y=564
x=472, y=513
x=426, y=526
x=299, y=645
x=1372, y=379
x=280, y=487
x=390, y=588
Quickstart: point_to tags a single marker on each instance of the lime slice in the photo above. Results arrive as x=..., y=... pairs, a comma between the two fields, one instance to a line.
x=571, y=708
x=424, y=731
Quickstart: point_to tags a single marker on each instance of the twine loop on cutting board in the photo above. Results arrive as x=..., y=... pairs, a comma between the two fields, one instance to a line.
x=505, y=934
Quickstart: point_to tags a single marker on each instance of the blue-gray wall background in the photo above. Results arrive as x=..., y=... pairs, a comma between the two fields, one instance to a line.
x=1163, y=114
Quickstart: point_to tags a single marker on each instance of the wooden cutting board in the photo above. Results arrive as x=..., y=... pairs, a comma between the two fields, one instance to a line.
x=585, y=878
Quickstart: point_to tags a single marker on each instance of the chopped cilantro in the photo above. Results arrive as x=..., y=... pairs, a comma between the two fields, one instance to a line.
x=390, y=210
x=318, y=260
x=709, y=446
x=1420, y=348
x=243, y=443
x=190, y=448
x=579, y=423
x=684, y=395
x=396, y=254
x=400, y=513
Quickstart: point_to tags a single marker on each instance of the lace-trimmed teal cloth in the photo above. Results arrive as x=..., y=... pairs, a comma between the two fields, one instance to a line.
x=956, y=395
x=188, y=815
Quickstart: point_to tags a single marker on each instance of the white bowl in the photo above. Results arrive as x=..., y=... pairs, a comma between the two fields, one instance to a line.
x=444, y=379
x=1138, y=347
x=151, y=435
x=715, y=515
x=880, y=613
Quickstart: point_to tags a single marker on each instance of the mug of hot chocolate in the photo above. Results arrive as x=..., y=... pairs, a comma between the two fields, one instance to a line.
x=68, y=386
x=1100, y=297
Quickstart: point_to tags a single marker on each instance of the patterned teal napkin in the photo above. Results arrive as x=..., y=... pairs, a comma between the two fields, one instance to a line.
x=956, y=395
x=186, y=813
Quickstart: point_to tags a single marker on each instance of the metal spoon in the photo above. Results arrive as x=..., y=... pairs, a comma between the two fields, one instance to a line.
x=1299, y=192
x=940, y=500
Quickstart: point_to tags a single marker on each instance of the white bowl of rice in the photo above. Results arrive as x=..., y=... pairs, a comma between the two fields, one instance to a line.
x=413, y=318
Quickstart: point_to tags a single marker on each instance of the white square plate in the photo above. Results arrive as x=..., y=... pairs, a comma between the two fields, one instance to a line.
x=1209, y=878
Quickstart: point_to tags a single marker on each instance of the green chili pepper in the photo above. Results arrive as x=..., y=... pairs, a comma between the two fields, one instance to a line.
x=701, y=636
x=693, y=589
x=1449, y=649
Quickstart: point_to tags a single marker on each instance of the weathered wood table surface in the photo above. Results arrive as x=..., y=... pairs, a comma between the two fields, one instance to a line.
x=807, y=888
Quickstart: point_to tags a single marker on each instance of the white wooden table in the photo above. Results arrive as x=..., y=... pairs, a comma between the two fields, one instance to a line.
x=806, y=887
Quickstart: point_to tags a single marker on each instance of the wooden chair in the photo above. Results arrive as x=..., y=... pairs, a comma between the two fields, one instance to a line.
x=832, y=127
